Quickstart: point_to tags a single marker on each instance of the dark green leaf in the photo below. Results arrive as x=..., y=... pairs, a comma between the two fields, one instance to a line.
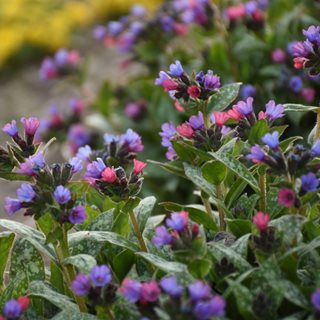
x=6, y=240
x=259, y=129
x=83, y=262
x=300, y=108
x=214, y=172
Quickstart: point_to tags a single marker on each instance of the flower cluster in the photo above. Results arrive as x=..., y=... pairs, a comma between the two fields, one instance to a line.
x=23, y=146
x=194, y=302
x=295, y=164
x=97, y=286
x=63, y=63
x=48, y=193
x=307, y=52
x=177, y=231
x=173, y=18
x=180, y=85
x=251, y=12
x=14, y=309
x=113, y=181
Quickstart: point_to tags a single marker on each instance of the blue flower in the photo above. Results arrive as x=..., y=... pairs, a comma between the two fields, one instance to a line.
x=162, y=237
x=76, y=164
x=199, y=290
x=84, y=153
x=309, y=182
x=163, y=76
x=257, y=154
x=12, y=205
x=274, y=111
x=26, y=193
x=178, y=221
x=248, y=90
x=133, y=141
x=196, y=122
x=271, y=140
x=167, y=23
x=313, y=34
x=170, y=286
x=211, y=81
x=95, y=168
x=295, y=84
x=11, y=128
x=215, y=307
x=316, y=148
x=100, y=275
x=315, y=299
x=109, y=138
x=81, y=285
x=176, y=69
x=77, y=215
x=131, y=290
x=114, y=28
x=12, y=309
x=61, y=57
x=245, y=108
x=62, y=195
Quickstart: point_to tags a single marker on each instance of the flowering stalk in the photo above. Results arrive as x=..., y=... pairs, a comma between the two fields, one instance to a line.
x=219, y=194
x=207, y=205
x=204, y=109
x=137, y=231
x=317, y=133
x=62, y=251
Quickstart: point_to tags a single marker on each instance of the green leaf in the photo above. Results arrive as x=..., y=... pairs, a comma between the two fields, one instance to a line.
x=196, y=213
x=83, y=262
x=220, y=251
x=241, y=246
x=6, y=240
x=34, y=236
x=259, y=129
x=171, y=167
x=122, y=263
x=103, y=222
x=27, y=263
x=195, y=176
x=144, y=210
x=183, y=153
x=237, y=167
x=102, y=236
x=13, y=176
x=73, y=315
x=214, y=172
x=224, y=97
x=300, y=108
x=239, y=227
x=43, y=290
x=56, y=277
x=199, y=268
x=162, y=264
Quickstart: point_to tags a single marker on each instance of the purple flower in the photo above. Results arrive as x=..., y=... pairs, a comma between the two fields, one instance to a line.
x=61, y=57
x=150, y=291
x=76, y=105
x=168, y=131
x=133, y=140
x=48, y=69
x=62, y=194
x=95, y=168
x=315, y=299
x=84, y=153
x=278, y=55
x=134, y=110
x=136, y=27
x=309, y=182
x=245, y=108
x=77, y=215
x=11, y=128
x=271, y=139
x=171, y=154
x=167, y=23
x=78, y=136
x=295, y=84
x=176, y=69
x=215, y=307
x=131, y=290
x=162, y=237
x=178, y=221
x=250, y=7
x=248, y=90
x=32, y=165
x=257, y=154
x=199, y=290
x=313, y=34
x=26, y=193
x=12, y=309
x=12, y=205
x=163, y=76
x=196, y=122
x=274, y=111
x=286, y=197
x=30, y=125
x=81, y=285
x=211, y=81
x=170, y=286
x=76, y=164
x=99, y=32
x=316, y=148
x=100, y=275
x=109, y=138
x=138, y=11
x=114, y=28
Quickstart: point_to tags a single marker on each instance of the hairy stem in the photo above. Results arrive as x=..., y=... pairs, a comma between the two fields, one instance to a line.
x=263, y=192
x=62, y=251
x=317, y=133
x=207, y=205
x=220, y=209
x=137, y=231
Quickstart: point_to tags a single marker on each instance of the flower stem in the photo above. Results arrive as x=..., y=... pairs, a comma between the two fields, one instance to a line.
x=62, y=251
x=137, y=231
x=219, y=194
x=207, y=205
x=317, y=133
x=263, y=192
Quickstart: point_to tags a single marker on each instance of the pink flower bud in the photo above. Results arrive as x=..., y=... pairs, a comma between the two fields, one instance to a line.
x=30, y=125
x=194, y=91
x=261, y=221
x=170, y=85
x=286, y=197
x=178, y=106
x=138, y=166
x=24, y=303
x=220, y=118
x=185, y=130
x=109, y=175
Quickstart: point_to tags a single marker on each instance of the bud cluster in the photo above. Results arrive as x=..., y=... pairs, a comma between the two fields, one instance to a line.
x=196, y=301
x=182, y=86
x=63, y=63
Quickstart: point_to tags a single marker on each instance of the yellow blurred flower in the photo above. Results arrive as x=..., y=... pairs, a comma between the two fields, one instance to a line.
x=50, y=23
